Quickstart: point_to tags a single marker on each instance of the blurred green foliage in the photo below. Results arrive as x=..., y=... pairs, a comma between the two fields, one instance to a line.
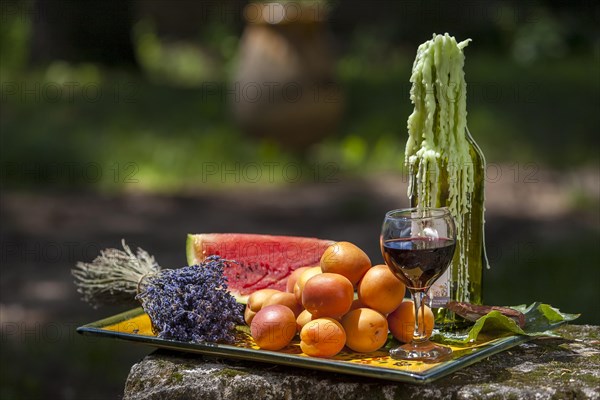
x=515, y=113
x=15, y=34
x=181, y=63
x=530, y=103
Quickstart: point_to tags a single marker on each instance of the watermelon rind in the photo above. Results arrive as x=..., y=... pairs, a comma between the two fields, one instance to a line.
x=194, y=241
x=189, y=250
x=192, y=260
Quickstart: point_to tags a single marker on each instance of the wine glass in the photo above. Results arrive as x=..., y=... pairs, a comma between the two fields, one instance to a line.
x=418, y=245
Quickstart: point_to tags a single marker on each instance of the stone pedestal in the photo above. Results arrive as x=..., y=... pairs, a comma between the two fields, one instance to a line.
x=539, y=369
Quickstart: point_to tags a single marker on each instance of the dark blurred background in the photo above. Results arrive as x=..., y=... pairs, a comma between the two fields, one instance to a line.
x=147, y=120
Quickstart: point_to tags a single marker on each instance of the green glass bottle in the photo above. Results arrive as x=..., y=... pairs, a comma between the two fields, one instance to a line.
x=447, y=168
x=463, y=279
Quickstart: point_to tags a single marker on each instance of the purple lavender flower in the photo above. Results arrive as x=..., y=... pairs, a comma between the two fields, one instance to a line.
x=192, y=303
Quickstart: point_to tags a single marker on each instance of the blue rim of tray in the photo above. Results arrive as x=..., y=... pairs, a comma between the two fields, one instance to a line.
x=330, y=365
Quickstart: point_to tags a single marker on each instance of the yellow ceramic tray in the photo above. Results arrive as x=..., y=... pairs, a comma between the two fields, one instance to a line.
x=134, y=325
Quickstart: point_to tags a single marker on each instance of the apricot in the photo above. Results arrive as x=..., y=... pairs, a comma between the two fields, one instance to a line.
x=248, y=315
x=381, y=290
x=256, y=299
x=302, y=279
x=291, y=281
x=304, y=318
x=401, y=321
x=356, y=303
x=285, y=299
x=328, y=295
x=346, y=259
x=366, y=330
x=273, y=327
x=322, y=337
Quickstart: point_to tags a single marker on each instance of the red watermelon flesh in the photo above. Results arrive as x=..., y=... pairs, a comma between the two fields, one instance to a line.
x=263, y=261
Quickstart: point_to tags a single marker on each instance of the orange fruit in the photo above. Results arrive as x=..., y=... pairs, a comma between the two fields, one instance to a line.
x=255, y=303
x=248, y=315
x=346, y=259
x=381, y=290
x=327, y=295
x=256, y=299
x=322, y=337
x=291, y=281
x=302, y=279
x=402, y=321
x=285, y=299
x=366, y=330
x=273, y=327
x=304, y=318
x=356, y=304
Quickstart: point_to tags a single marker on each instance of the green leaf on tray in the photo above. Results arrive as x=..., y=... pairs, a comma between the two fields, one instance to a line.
x=540, y=319
x=552, y=314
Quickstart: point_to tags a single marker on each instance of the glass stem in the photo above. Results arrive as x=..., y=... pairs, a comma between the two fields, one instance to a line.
x=419, y=334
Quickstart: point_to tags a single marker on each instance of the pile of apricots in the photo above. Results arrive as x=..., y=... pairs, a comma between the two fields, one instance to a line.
x=319, y=304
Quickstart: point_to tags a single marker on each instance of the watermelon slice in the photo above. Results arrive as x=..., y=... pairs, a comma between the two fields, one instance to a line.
x=264, y=261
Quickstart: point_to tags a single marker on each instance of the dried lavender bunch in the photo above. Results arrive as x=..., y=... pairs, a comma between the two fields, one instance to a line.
x=188, y=304
x=192, y=303
x=114, y=276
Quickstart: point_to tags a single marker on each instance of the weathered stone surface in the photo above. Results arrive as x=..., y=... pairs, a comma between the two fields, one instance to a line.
x=540, y=369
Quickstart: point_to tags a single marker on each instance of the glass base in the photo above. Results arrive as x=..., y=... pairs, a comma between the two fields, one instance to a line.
x=425, y=351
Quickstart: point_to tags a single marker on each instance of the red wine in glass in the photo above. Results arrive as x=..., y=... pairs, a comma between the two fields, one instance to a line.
x=418, y=262
x=417, y=245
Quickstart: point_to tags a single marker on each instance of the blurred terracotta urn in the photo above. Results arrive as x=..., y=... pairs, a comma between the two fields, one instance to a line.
x=284, y=83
